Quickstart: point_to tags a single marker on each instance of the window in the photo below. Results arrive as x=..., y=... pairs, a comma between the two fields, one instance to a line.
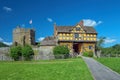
x=94, y=35
x=90, y=47
x=60, y=34
x=63, y=34
x=71, y=34
x=84, y=34
x=67, y=34
x=76, y=35
x=78, y=29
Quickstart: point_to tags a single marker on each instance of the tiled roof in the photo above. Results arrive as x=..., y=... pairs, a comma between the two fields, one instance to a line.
x=64, y=28
x=69, y=28
x=89, y=29
x=75, y=41
x=48, y=41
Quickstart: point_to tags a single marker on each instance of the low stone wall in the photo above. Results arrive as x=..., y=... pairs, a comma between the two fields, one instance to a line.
x=4, y=54
x=40, y=53
x=5, y=49
x=45, y=53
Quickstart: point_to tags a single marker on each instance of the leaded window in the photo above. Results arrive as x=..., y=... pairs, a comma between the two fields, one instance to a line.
x=90, y=47
x=78, y=29
x=76, y=35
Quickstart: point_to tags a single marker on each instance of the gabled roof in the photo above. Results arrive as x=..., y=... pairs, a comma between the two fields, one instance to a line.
x=48, y=41
x=64, y=28
x=89, y=29
x=69, y=28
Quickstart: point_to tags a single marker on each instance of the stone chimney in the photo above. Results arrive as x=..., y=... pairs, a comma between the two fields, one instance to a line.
x=81, y=23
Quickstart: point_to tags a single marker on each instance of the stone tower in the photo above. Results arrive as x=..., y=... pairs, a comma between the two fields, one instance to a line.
x=22, y=36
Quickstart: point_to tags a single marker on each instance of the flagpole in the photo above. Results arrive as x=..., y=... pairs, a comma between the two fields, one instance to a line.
x=30, y=22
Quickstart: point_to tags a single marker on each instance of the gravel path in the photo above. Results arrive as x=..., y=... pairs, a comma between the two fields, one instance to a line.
x=99, y=71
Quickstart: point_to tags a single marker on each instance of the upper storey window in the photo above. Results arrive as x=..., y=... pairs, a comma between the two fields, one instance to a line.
x=76, y=35
x=78, y=29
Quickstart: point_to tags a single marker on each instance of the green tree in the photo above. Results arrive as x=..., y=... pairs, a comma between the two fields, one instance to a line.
x=27, y=52
x=15, y=52
x=100, y=43
x=113, y=50
x=99, y=46
x=3, y=45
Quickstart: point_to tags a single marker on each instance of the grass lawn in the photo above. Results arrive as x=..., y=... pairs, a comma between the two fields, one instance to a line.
x=66, y=69
x=113, y=63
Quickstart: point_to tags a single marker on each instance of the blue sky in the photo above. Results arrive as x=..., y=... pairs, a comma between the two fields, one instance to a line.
x=104, y=15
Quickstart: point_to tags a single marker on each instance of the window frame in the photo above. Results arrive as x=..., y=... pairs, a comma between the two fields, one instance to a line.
x=78, y=28
x=90, y=47
x=76, y=35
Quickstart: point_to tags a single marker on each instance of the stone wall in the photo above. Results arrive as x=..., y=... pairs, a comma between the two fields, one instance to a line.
x=45, y=53
x=41, y=53
x=4, y=54
x=23, y=36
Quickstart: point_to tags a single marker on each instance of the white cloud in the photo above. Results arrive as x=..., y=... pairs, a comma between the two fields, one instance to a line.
x=49, y=20
x=40, y=39
x=109, y=40
x=8, y=43
x=99, y=22
x=23, y=25
x=1, y=39
x=7, y=9
x=89, y=22
x=30, y=22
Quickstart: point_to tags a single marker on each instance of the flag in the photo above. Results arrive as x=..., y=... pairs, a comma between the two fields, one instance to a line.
x=30, y=22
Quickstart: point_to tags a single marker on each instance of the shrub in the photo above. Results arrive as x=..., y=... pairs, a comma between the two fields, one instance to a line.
x=27, y=52
x=61, y=52
x=88, y=54
x=15, y=52
x=85, y=54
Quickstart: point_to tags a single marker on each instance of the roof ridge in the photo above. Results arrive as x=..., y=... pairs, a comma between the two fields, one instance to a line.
x=88, y=26
x=64, y=26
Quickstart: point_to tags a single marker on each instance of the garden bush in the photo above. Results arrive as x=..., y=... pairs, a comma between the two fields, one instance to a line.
x=27, y=52
x=88, y=54
x=61, y=51
x=15, y=52
x=85, y=53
